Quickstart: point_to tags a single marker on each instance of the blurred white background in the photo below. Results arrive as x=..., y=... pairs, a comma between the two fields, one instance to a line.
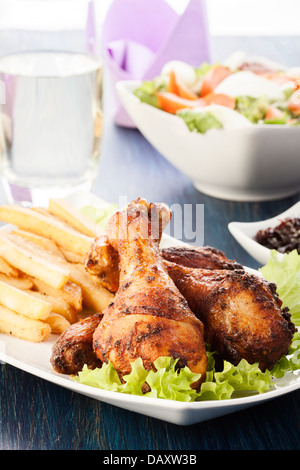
x=226, y=17
x=254, y=17
x=245, y=17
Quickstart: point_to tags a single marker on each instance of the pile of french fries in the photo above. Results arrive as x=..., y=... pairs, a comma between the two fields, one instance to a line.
x=44, y=286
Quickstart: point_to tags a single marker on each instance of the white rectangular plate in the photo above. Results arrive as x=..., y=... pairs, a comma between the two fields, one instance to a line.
x=35, y=359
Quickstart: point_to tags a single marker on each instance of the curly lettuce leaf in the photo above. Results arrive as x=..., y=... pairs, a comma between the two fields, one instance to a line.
x=290, y=362
x=171, y=383
x=284, y=270
x=222, y=385
x=166, y=382
x=105, y=378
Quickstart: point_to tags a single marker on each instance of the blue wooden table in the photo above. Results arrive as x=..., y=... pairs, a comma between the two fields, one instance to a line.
x=37, y=415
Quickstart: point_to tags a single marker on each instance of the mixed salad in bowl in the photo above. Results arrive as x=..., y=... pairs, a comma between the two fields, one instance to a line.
x=241, y=92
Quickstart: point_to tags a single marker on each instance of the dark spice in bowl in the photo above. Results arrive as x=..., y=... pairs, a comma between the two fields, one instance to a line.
x=284, y=238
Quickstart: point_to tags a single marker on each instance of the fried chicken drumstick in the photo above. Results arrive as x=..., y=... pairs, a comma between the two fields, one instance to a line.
x=241, y=312
x=149, y=317
x=74, y=347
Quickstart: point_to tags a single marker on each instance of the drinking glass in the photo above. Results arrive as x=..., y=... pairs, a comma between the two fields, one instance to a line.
x=50, y=98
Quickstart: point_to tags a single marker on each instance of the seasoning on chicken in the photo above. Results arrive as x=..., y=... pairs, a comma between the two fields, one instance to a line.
x=159, y=289
x=149, y=317
x=241, y=313
x=74, y=347
x=103, y=260
x=202, y=257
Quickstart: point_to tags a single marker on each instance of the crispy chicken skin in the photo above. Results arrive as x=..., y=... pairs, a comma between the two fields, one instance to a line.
x=157, y=291
x=103, y=260
x=74, y=347
x=241, y=313
x=149, y=317
x=202, y=257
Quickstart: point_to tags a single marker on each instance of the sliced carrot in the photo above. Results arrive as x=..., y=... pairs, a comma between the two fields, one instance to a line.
x=213, y=77
x=274, y=113
x=172, y=85
x=294, y=102
x=172, y=103
x=221, y=99
x=177, y=86
x=185, y=92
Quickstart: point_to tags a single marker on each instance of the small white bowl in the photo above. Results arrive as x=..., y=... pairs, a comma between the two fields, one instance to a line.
x=245, y=163
x=244, y=233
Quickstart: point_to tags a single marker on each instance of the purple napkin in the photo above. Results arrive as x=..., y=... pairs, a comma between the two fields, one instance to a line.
x=140, y=36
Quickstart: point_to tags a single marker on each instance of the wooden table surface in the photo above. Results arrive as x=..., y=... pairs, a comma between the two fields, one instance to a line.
x=38, y=415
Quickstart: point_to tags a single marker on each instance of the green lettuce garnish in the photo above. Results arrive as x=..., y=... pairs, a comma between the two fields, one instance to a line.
x=290, y=362
x=166, y=382
x=232, y=380
x=252, y=108
x=199, y=122
x=284, y=270
x=147, y=91
x=172, y=383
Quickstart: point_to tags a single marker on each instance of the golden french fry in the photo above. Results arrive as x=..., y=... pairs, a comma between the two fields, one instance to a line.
x=72, y=257
x=26, y=259
x=74, y=217
x=73, y=294
x=23, y=302
x=44, y=286
x=6, y=268
x=22, y=327
x=41, y=210
x=43, y=242
x=59, y=305
x=46, y=226
x=70, y=292
x=22, y=282
x=57, y=322
x=94, y=295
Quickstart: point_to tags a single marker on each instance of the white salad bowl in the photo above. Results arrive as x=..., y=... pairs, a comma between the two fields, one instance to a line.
x=242, y=161
x=245, y=232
